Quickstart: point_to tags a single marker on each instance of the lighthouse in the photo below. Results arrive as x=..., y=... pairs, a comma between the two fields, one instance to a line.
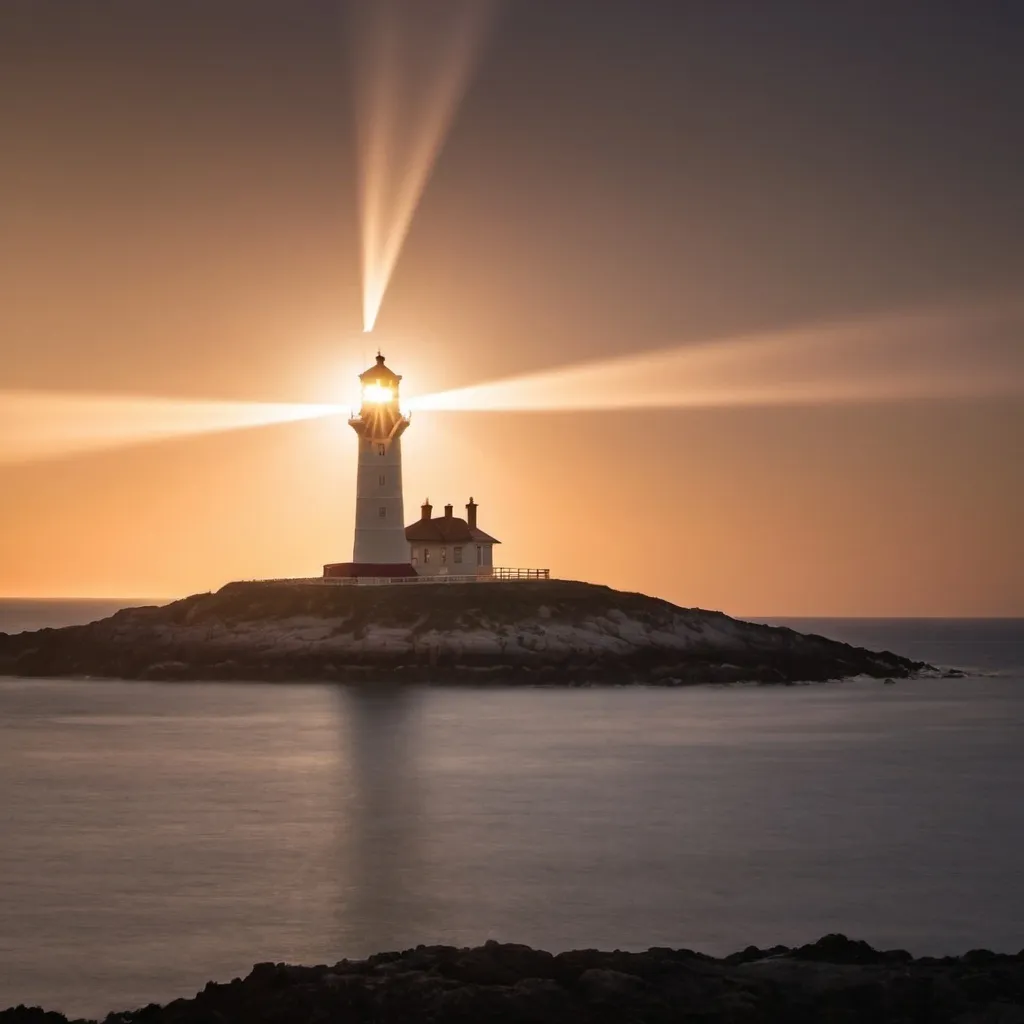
x=380, y=547
x=385, y=550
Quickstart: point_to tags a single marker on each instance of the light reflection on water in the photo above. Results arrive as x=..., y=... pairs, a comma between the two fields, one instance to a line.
x=155, y=836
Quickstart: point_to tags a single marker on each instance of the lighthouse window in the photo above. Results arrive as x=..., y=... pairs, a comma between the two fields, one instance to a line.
x=382, y=512
x=382, y=480
x=381, y=449
x=457, y=555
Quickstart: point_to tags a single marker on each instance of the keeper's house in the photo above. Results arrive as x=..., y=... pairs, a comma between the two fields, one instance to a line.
x=449, y=546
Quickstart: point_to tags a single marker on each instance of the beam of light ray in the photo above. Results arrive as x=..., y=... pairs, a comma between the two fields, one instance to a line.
x=943, y=354
x=37, y=425
x=413, y=61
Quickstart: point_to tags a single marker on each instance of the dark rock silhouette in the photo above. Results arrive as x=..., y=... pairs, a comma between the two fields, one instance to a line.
x=833, y=980
x=552, y=632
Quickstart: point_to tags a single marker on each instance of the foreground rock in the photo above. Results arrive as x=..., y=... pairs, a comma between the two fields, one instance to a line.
x=542, y=632
x=834, y=980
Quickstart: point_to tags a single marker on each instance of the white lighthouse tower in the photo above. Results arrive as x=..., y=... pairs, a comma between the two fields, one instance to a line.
x=380, y=547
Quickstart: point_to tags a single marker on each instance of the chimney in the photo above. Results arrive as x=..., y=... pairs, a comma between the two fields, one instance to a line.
x=448, y=510
x=426, y=509
x=471, y=514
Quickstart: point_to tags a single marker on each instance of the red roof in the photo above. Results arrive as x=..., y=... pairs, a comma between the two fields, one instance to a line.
x=446, y=530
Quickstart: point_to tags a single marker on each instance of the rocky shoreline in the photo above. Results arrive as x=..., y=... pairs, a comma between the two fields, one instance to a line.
x=833, y=981
x=552, y=632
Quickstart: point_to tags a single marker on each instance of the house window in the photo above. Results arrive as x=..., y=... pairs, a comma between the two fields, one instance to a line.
x=382, y=449
x=479, y=554
x=426, y=556
x=457, y=555
x=444, y=556
x=412, y=556
x=382, y=480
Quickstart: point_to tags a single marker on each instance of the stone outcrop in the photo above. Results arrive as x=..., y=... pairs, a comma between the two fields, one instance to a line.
x=835, y=980
x=552, y=632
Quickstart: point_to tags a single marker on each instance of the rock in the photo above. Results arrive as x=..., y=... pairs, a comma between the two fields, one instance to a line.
x=751, y=954
x=600, y=985
x=980, y=957
x=498, y=964
x=545, y=632
x=835, y=979
x=838, y=949
x=30, y=1015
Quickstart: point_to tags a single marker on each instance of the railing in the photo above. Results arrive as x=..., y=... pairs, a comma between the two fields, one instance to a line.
x=501, y=573
x=497, y=574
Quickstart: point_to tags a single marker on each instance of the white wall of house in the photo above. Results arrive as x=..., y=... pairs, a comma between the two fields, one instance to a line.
x=470, y=559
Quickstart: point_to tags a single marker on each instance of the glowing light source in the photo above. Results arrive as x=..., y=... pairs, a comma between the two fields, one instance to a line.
x=942, y=354
x=966, y=353
x=412, y=63
x=378, y=394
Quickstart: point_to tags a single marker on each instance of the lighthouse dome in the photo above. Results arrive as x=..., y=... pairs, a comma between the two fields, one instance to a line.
x=380, y=373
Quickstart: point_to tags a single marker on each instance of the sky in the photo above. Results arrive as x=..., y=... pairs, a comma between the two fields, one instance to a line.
x=180, y=219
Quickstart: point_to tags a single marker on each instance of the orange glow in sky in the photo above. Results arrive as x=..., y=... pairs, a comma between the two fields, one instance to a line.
x=741, y=280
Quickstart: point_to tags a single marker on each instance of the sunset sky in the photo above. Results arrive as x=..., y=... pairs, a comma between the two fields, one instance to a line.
x=180, y=219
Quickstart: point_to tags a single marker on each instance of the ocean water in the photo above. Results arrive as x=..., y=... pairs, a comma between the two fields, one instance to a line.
x=155, y=836
x=19, y=615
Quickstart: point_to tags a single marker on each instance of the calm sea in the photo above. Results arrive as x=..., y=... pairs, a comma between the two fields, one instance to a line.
x=155, y=836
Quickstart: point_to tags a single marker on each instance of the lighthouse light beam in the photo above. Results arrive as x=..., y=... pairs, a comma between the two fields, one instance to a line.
x=966, y=353
x=413, y=62
x=971, y=353
x=42, y=425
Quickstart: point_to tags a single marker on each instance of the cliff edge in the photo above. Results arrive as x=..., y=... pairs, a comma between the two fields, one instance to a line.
x=553, y=632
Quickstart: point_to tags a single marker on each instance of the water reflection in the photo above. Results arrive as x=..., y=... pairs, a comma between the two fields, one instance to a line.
x=157, y=836
x=381, y=845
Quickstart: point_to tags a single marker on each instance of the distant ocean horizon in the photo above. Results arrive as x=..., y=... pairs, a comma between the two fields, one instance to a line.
x=18, y=614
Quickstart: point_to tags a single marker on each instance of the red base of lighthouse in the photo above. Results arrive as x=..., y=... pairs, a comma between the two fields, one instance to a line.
x=356, y=570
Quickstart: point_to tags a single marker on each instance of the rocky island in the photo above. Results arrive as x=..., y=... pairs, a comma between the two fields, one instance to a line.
x=835, y=980
x=551, y=632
